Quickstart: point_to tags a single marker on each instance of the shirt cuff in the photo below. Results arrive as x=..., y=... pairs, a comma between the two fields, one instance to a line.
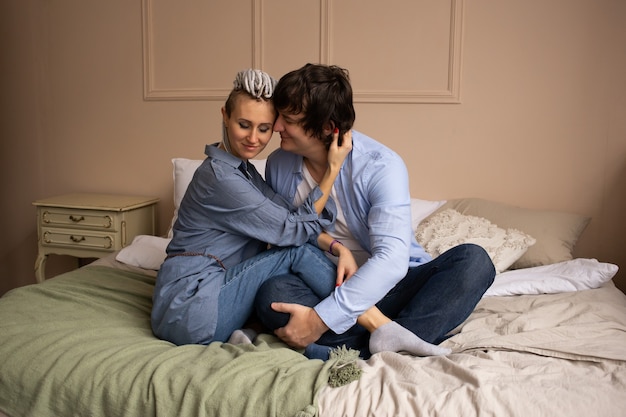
x=333, y=316
x=329, y=212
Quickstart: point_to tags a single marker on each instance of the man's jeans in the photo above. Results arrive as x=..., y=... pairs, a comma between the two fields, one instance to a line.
x=431, y=300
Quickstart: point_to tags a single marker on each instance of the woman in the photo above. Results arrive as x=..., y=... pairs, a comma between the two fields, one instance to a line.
x=217, y=258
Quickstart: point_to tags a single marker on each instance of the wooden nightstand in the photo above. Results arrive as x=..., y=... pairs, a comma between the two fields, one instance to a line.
x=90, y=225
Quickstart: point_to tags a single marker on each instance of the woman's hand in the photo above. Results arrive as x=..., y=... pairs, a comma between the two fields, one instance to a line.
x=338, y=153
x=346, y=264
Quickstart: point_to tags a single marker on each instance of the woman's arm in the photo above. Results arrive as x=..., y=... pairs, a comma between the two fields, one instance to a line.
x=230, y=203
x=336, y=155
x=346, y=264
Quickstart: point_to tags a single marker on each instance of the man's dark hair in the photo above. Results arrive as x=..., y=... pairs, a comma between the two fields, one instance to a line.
x=322, y=93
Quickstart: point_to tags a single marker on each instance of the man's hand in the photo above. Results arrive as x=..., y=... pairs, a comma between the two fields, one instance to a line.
x=304, y=326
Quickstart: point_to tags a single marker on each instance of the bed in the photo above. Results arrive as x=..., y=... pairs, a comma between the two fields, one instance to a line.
x=548, y=338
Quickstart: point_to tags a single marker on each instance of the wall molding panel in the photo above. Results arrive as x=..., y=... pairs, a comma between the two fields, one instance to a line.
x=181, y=87
x=418, y=61
x=421, y=46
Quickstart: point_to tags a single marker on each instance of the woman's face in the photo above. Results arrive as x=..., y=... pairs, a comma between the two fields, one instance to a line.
x=249, y=126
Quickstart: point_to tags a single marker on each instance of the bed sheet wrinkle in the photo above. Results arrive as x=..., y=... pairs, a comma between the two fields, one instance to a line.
x=568, y=325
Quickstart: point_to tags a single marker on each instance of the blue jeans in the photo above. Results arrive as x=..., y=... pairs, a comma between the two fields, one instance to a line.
x=237, y=294
x=431, y=300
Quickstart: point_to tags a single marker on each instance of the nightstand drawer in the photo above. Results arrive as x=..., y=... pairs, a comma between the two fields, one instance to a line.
x=78, y=239
x=87, y=219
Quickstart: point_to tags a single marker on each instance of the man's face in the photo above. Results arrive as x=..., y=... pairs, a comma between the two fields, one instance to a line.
x=293, y=136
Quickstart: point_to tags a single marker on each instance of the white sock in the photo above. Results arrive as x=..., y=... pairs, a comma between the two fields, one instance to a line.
x=242, y=336
x=392, y=337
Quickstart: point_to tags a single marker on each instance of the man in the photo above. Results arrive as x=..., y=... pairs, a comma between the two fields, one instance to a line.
x=428, y=297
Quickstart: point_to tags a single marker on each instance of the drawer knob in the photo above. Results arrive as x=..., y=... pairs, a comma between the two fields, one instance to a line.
x=76, y=219
x=77, y=239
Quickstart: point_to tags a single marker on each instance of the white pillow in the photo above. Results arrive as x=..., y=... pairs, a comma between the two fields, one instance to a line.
x=567, y=276
x=450, y=228
x=420, y=209
x=183, y=173
x=147, y=252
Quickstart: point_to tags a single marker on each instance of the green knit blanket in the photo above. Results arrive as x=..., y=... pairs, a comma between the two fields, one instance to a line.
x=80, y=344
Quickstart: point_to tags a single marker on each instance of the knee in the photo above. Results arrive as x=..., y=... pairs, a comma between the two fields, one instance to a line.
x=484, y=264
x=269, y=292
x=478, y=264
x=273, y=290
x=278, y=288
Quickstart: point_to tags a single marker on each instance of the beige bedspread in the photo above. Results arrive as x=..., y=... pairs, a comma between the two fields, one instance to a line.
x=541, y=355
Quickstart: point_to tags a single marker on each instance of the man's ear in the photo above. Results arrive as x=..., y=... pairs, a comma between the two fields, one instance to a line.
x=328, y=128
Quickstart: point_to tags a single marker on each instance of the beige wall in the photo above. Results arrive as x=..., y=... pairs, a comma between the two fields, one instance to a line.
x=518, y=101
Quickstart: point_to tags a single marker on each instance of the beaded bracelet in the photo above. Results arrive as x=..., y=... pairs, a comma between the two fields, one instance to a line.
x=330, y=249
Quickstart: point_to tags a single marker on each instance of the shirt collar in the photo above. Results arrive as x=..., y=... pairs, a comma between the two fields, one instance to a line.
x=212, y=151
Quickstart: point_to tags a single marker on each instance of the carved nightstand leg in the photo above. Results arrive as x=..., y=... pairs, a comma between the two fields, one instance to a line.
x=40, y=268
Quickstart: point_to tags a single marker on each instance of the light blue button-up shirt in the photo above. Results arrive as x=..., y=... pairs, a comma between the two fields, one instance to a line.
x=373, y=191
x=229, y=212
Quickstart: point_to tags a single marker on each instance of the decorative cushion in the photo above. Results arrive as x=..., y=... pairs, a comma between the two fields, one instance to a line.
x=449, y=228
x=556, y=233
